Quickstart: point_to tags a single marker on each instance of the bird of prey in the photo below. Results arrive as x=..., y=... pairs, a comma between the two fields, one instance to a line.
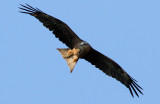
x=78, y=48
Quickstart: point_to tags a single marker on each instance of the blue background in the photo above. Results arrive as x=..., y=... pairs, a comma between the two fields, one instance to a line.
x=32, y=71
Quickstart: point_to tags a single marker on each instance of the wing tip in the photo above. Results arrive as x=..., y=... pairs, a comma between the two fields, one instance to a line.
x=134, y=87
x=27, y=9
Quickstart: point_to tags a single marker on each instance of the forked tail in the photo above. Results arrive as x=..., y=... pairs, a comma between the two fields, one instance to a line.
x=70, y=56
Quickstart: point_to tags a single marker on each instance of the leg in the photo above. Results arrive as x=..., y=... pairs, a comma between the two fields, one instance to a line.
x=73, y=52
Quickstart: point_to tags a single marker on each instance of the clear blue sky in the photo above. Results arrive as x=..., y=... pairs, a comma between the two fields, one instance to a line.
x=32, y=71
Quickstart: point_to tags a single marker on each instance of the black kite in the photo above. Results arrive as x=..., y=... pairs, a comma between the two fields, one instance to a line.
x=78, y=48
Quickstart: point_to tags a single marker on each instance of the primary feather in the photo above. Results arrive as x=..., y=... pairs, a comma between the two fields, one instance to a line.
x=59, y=28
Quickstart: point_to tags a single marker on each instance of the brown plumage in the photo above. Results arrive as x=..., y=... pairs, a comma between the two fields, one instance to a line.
x=68, y=37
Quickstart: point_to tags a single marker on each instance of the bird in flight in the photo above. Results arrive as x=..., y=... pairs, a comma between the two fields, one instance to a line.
x=80, y=49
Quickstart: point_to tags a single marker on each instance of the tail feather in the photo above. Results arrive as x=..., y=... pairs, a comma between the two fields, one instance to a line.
x=71, y=59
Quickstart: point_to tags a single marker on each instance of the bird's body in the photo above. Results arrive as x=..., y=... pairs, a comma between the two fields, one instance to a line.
x=77, y=48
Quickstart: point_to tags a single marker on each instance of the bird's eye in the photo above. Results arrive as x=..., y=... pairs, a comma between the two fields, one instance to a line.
x=82, y=44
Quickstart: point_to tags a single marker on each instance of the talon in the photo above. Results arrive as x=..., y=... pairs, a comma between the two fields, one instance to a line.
x=75, y=51
x=72, y=52
x=69, y=53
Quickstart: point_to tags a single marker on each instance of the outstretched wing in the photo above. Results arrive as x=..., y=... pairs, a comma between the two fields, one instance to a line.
x=59, y=28
x=111, y=68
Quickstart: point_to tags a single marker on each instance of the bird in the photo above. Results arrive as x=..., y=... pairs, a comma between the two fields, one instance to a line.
x=80, y=49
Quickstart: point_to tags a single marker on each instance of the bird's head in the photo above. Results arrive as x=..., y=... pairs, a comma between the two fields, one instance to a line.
x=84, y=48
x=83, y=43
